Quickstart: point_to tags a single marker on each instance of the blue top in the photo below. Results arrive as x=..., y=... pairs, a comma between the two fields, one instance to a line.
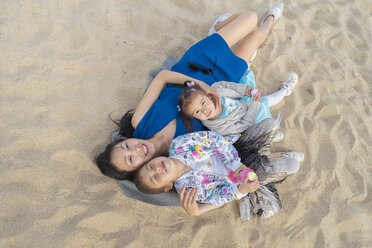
x=229, y=67
x=229, y=105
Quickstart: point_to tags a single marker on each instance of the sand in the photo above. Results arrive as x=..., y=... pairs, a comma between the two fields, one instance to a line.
x=66, y=65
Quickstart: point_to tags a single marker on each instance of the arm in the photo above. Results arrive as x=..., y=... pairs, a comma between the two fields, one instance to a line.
x=188, y=202
x=238, y=89
x=211, y=188
x=155, y=88
x=217, y=192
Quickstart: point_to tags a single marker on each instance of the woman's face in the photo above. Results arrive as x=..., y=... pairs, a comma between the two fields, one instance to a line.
x=131, y=154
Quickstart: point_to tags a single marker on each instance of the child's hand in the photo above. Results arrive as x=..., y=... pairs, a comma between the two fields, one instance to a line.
x=257, y=97
x=246, y=187
x=237, y=171
x=188, y=200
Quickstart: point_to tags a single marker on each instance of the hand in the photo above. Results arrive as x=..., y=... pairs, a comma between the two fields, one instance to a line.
x=212, y=93
x=247, y=91
x=237, y=171
x=257, y=97
x=246, y=187
x=188, y=201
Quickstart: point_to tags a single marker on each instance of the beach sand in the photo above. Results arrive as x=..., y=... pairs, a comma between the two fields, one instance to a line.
x=66, y=65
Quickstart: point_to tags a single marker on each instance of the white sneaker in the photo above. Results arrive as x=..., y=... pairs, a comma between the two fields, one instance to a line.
x=278, y=137
x=275, y=11
x=299, y=156
x=219, y=19
x=290, y=83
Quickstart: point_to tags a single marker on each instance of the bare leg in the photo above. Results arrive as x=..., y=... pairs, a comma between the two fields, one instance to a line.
x=227, y=21
x=253, y=40
x=237, y=27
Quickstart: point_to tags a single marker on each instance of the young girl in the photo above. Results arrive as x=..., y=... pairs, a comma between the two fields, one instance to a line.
x=241, y=104
x=202, y=160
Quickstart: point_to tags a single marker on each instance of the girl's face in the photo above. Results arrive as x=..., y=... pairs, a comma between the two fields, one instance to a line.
x=131, y=154
x=202, y=108
x=157, y=173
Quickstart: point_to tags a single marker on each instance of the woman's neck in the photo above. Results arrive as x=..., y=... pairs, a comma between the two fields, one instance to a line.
x=163, y=138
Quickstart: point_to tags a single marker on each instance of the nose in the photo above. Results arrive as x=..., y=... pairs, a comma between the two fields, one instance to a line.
x=138, y=150
x=205, y=111
x=157, y=168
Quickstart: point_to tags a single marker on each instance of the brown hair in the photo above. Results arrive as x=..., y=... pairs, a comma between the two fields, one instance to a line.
x=185, y=98
x=145, y=189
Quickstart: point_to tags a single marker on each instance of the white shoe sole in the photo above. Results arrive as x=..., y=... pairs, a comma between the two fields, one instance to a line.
x=276, y=11
x=219, y=19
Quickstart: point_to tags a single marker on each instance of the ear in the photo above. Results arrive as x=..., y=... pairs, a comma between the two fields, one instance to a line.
x=168, y=187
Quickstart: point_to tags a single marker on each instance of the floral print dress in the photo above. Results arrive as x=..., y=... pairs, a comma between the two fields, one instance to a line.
x=211, y=158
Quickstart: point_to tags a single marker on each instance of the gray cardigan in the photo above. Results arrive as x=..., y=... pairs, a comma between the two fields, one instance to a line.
x=241, y=118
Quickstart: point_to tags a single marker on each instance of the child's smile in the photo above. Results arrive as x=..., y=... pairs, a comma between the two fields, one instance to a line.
x=203, y=108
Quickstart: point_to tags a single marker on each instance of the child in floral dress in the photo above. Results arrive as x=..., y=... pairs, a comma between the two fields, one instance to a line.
x=200, y=160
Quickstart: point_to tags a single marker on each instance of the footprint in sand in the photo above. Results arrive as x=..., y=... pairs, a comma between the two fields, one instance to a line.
x=330, y=20
x=339, y=43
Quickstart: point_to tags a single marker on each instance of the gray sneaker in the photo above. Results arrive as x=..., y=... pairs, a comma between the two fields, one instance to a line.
x=299, y=156
x=290, y=83
x=278, y=137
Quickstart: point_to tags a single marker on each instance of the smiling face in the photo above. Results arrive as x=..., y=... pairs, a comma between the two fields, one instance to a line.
x=130, y=154
x=160, y=172
x=201, y=107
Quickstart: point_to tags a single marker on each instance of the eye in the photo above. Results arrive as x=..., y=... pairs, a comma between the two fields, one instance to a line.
x=126, y=145
x=203, y=103
x=156, y=178
x=196, y=112
x=130, y=159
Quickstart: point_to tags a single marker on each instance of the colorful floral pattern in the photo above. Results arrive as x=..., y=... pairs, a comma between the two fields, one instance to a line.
x=215, y=189
x=199, y=147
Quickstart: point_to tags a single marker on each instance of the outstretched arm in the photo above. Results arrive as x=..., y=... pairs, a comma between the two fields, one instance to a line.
x=155, y=88
x=188, y=202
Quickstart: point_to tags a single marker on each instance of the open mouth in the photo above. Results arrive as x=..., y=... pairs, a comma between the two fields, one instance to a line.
x=145, y=149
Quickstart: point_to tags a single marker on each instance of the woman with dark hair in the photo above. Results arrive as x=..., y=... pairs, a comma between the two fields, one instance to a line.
x=149, y=130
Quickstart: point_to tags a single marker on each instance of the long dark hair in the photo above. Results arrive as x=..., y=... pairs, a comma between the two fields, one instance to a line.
x=185, y=98
x=145, y=189
x=103, y=161
x=125, y=124
x=107, y=168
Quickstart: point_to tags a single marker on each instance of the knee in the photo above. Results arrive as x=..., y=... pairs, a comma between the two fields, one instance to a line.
x=251, y=17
